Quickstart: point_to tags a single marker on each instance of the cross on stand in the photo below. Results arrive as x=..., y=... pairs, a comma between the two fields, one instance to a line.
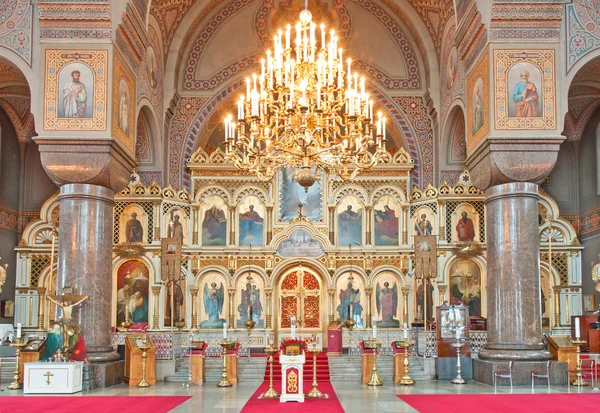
x=300, y=292
x=48, y=375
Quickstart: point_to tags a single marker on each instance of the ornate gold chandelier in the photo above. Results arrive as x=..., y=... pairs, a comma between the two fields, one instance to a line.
x=304, y=110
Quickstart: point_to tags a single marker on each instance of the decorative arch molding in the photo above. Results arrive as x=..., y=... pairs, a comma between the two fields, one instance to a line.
x=213, y=269
x=48, y=215
x=382, y=269
x=284, y=235
x=350, y=269
x=244, y=270
x=241, y=193
x=202, y=195
x=387, y=190
x=350, y=189
x=285, y=266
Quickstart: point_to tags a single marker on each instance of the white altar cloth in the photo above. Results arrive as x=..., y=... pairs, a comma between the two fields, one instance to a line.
x=53, y=378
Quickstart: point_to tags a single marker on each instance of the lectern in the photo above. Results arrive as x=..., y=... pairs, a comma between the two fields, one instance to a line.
x=133, y=360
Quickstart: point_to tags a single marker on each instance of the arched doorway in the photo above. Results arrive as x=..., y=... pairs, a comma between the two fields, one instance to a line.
x=300, y=295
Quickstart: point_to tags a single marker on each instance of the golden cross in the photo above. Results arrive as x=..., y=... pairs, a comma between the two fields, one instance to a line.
x=48, y=375
x=300, y=292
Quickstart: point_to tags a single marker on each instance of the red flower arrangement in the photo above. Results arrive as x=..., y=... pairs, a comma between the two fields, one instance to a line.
x=292, y=342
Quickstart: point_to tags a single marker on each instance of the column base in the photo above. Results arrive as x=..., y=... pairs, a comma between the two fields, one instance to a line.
x=525, y=353
x=102, y=354
x=483, y=372
x=101, y=375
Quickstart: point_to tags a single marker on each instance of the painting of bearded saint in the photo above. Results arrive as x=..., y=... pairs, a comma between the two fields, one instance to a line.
x=214, y=223
x=387, y=305
x=386, y=222
x=349, y=214
x=76, y=83
x=251, y=222
x=523, y=79
x=213, y=299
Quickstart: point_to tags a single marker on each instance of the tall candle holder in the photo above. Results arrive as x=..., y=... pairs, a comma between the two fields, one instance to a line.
x=458, y=379
x=227, y=345
x=578, y=381
x=16, y=384
x=406, y=379
x=145, y=346
x=315, y=393
x=375, y=379
x=271, y=393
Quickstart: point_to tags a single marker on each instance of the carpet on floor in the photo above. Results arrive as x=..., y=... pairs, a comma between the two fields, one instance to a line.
x=330, y=405
x=501, y=403
x=90, y=404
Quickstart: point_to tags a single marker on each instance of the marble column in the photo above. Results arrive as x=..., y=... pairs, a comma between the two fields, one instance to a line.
x=513, y=283
x=84, y=254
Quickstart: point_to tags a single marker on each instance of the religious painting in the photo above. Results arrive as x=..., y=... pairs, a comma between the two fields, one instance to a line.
x=465, y=224
x=175, y=224
x=250, y=299
x=545, y=297
x=525, y=89
x=423, y=222
x=132, y=292
x=292, y=194
x=451, y=67
x=251, y=225
x=300, y=244
x=300, y=295
x=213, y=215
x=478, y=104
x=213, y=308
x=151, y=67
x=349, y=213
x=7, y=308
x=589, y=302
x=350, y=293
x=465, y=285
x=123, y=116
x=387, y=305
x=175, y=301
x=75, y=90
x=133, y=224
x=385, y=221
x=425, y=272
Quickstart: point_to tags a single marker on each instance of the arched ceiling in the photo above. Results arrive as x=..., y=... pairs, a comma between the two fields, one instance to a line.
x=15, y=99
x=584, y=99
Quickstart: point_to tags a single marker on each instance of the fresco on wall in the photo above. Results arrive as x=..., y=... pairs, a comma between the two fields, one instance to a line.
x=465, y=224
x=76, y=83
x=386, y=224
x=133, y=224
x=451, y=68
x=465, y=286
x=291, y=194
x=349, y=222
x=524, y=81
x=251, y=213
x=132, y=292
x=387, y=301
x=214, y=221
x=477, y=104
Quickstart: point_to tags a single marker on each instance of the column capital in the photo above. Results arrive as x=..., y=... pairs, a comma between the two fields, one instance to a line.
x=194, y=291
x=156, y=289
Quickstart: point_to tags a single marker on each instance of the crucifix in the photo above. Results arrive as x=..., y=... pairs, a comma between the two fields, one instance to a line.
x=300, y=206
x=48, y=375
x=300, y=292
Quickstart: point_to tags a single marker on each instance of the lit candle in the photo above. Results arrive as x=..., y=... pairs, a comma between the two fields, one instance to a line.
x=322, y=36
x=577, y=328
x=405, y=332
x=18, y=330
x=374, y=327
x=288, y=30
x=224, y=331
x=457, y=333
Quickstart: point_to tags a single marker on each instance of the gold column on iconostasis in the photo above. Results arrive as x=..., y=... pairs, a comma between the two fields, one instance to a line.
x=41, y=304
x=368, y=232
x=557, y=291
x=196, y=223
x=231, y=226
x=369, y=292
x=155, y=315
x=231, y=307
x=268, y=316
x=157, y=219
x=194, y=292
x=442, y=290
x=331, y=292
x=442, y=232
x=331, y=224
x=269, y=224
x=405, y=225
x=405, y=291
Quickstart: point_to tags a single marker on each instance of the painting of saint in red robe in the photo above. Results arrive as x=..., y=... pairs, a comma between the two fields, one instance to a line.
x=465, y=229
x=77, y=349
x=386, y=226
x=526, y=96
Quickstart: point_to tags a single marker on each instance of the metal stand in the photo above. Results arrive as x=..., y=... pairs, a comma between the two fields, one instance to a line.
x=146, y=345
x=406, y=379
x=16, y=384
x=375, y=379
x=224, y=379
x=271, y=393
x=579, y=381
x=458, y=379
x=315, y=393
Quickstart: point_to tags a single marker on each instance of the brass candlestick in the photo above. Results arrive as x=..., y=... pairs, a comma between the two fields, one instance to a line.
x=578, y=381
x=315, y=393
x=375, y=379
x=227, y=345
x=458, y=379
x=16, y=384
x=406, y=379
x=145, y=346
x=271, y=393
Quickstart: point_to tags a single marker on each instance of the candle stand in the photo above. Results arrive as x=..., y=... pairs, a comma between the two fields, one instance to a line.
x=227, y=345
x=578, y=381
x=16, y=384
x=406, y=379
x=458, y=379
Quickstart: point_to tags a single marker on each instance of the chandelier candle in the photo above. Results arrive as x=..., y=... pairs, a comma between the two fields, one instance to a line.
x=304, y=111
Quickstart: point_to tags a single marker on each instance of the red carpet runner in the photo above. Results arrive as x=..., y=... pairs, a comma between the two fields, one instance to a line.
x=502, y=403
x=90, y=404
x=330, y=405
